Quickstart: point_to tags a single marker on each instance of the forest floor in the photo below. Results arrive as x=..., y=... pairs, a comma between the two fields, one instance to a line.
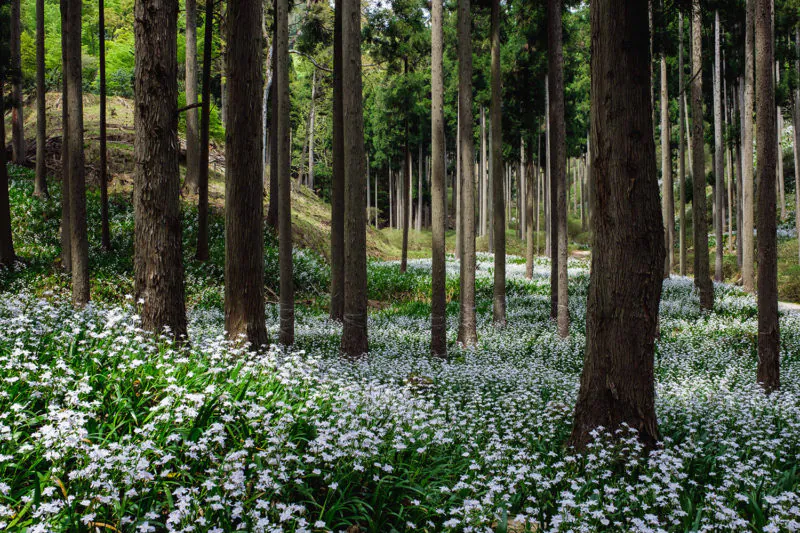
x=103, y=426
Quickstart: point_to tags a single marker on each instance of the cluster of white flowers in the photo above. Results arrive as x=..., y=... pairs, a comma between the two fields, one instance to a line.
x=101, y=424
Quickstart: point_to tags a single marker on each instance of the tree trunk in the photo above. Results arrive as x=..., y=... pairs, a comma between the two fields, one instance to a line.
x=681, y=152
x=244, y=247
x=284, y=162
x=438, y=267
x=272, y=209
x=17, y=121
x=337, y=180
x=483, y=175
x=667, y=204
x=557, y=166
x=7, y=255
x=354, y=332
x=617, y=383
x=79, y=241
x=748, y=245
x=420, y=174
x=532, y=190
x=498, y=211
x=311, y=125
x=779, y=164
x=796, y=132
x=104, y=224
x=191, y=181
x=767, y=144
x=405, y=194
x=158, y=259
x=66, y=248
x=201, y=253
x=467, y=331
x=459, y=190
x=701, y=275
x=719, y=165
x=548, y=222
x=40, y=184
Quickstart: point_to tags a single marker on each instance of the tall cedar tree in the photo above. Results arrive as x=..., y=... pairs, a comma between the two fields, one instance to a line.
x=701, y=274
x=337, y=180
x=79, y=240
x=617, y=383
x=244, y=172
x=405, y=195
x=201, y=251
x=105, y=230
x=7, y=255
x=719, y=167
x=354, y=331
x=668, y=207
x=558, y=176
x=531, y=184
x=191, y=182
x=284, y=162
x=498, y=194
x=66, y=249
x=748, y=244
x=467, y=329
x=767, y=156
x=17, y=120
x=681, y=155
x=438, y=273
x=40, y=183
x=158, y=257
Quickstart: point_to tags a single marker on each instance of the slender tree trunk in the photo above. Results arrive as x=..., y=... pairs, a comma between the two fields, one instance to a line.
x=459, y=191
x=272, y=209
x=499, y=301
x=748, y=245
x=66, y=247
x=438, y=267
x=767, y=144
x=354, y=332
x=701, y=274
x=158, y=261
x=728, y=160
x=201, y=252
x=557, y=165
x=79, y=241
x=739, y=97
x=531, y=194
x=617, y=383
x=40, y=184
x=667, y=207
x=779, y=114
x=420, y=175
x=105, y=229
x=681, y=152
x=337, y=180
x=17, y=121
x=191, y=181
x=719, y=165
x=796, y=132
x=405, y=194
x=7, y=255
x=311, y=124
x=467, y=331
x=548, y=223
x=284, y=161
x=244, y=246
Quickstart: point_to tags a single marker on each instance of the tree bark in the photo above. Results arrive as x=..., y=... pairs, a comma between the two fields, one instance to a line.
x=438, y=191
x=105, y=229
x=79, y=241
x=719, y=164
x=201, y=253
x=284, y=161
x=532, y=190
x=354, y=332
x=667, y=203
x=768, y=374
x=779, y=162
x=701, y=274
x=748, y=245
x=40, y=183
x=405, y=193
x=617, y=383
x=158, y=260
x=498, y=211
x=17, y=120
x=337, y=180
x=681, y=152
x=557, y=165
x=7, y=255
x=467, y=330
x=796, y=132
x=244, y=246
x=191, y=181
x=548, y=223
